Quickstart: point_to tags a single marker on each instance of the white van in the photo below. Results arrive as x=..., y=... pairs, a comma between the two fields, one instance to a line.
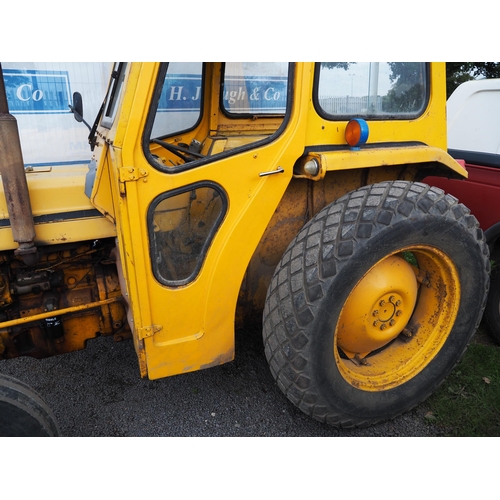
x=474, y=117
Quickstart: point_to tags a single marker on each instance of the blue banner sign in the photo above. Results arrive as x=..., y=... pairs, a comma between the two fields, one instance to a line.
x=181, y=93
x=240, y=95
x=255, y=94
x=37, y=92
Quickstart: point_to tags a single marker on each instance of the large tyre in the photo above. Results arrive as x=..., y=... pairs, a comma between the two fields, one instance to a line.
x=23, y=413
x=374, y=302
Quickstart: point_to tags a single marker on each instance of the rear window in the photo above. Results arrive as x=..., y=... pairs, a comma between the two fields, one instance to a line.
x=375, y=90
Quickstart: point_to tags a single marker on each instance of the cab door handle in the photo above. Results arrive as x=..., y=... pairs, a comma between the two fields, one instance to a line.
x=279, y=170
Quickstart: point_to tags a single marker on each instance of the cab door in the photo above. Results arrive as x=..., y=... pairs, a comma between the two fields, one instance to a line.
x=204, y=155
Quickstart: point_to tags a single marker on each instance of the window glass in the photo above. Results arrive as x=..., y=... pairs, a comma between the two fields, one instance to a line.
x=179, y=106
x=255, y=87
x=181, y=228
x=375, y=90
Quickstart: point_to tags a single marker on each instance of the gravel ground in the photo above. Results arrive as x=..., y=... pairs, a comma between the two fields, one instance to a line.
x=98, y=392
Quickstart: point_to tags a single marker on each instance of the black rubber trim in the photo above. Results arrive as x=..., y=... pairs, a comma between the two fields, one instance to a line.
x=325, y=148
x=62, y=217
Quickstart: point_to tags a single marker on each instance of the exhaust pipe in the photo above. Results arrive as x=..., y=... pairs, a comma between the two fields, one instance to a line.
x=14, y=182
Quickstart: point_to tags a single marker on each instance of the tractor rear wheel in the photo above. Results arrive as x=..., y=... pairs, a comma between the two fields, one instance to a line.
x=374, y=302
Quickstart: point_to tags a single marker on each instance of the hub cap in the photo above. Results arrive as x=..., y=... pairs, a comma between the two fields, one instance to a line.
x=378, y=308
x=396, y=319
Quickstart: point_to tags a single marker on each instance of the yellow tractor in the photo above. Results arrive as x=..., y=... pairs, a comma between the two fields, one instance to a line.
x=226, y=193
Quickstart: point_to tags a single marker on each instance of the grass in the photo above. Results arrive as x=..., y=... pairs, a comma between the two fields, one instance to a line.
x=468, y=403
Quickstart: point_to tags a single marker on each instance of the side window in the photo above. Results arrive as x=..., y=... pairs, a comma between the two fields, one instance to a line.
x=182, y=225
x=371, y=90
x=255, y=88
x=202, y=111
x=179, y=107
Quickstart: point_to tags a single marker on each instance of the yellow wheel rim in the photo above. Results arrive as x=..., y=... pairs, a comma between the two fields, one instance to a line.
x=397, y=318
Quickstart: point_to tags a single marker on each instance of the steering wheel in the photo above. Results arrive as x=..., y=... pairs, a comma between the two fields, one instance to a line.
x=182, y=153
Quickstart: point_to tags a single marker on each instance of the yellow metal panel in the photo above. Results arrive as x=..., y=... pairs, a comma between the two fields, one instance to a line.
x=101, y=196
x=69, y=231
x=59, y=191
x=387, y=156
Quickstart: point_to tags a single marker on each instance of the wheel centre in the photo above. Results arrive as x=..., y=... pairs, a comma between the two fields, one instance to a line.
x=388, y=309
x=378, y=308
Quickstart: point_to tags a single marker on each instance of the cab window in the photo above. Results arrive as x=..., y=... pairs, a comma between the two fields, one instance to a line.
x=179, y=106
x=375, y=90
x=255, y=88
x=182, y=224
x=203, y=111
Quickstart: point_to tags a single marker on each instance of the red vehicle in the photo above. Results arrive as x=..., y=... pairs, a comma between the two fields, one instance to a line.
x=474, y=137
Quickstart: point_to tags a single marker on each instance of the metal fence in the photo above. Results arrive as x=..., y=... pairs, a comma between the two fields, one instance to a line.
x=349, y=105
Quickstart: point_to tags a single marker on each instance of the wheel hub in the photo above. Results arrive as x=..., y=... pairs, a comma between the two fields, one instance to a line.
x=388, y=310
x=378, y=308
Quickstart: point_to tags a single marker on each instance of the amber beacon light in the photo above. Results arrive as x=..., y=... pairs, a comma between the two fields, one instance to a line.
x=356, y=133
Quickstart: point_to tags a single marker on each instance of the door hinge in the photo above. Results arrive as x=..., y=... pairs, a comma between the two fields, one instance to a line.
x=129, y=174
x=148, y=331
